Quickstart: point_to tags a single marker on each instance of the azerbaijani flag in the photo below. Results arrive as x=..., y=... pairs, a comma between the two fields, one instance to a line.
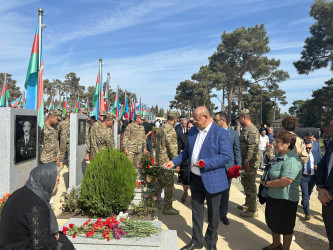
x=125, y=111
x=64, y=109
x=101, y=100
x=40, y=91
x=16, y=102
x=106, y=94
x=96, y=98
x=31, y=80
x=87, y=105
x=77, y=106
x=115, y=108
x=57, y=106
x=132, y=109
x=4, y=95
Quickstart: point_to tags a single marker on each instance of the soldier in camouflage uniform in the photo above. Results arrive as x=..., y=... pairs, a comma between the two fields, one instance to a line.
x=63, y=129
x=166, y=150
x=135, y=140
x=101, y=136
x=249, y=146
x=49, y=139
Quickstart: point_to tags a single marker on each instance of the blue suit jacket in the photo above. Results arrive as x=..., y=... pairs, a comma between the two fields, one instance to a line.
x=236, y=156
x=322, y=177
x=215, y=151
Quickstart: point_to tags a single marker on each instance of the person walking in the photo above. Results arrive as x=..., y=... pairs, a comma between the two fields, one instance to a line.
x=249, y=145
x=208, y=150
x=221, y=120
x=308, y=179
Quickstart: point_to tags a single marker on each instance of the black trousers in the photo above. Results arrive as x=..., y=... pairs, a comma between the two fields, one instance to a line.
x=199, y=194
x=328, y=221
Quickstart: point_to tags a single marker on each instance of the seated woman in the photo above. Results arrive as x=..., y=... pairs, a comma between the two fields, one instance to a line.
x=283, y=190
x=27, y=219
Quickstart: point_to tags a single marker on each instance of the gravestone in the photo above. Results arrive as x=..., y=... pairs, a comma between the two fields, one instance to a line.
x=77, y=149
x=18, y=147
x=165, y=240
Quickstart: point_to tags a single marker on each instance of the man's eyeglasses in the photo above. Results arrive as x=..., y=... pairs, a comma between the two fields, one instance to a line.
x=308, y=148
x=217, y=120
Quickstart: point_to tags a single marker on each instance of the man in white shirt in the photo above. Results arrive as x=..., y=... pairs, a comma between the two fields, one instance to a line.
x=263, y=144
x=157, y=124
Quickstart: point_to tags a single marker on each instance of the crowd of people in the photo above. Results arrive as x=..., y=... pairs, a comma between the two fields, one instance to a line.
x=202, y=149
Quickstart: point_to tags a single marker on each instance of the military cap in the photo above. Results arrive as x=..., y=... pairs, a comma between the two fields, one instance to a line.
x=103, y=112
x=139, y=116
x=243, y=112
x=111, y=116
x=56, y=113
x=83, y=110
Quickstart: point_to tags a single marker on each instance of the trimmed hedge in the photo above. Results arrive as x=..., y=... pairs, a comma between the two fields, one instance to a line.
x=108, y=184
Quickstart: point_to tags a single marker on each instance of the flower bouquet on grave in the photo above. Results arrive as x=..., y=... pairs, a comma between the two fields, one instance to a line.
x=112, y=228
x=3, y=201
x=235, y=171
x=148, y=167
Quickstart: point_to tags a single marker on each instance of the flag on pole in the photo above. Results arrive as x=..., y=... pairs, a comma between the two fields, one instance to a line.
x=13, y=104
x=4, y=95
x=77, y=106
x=31, y=80
x=64, y=109
x=56, y=108
x=40, y=90
x=87, y=105
x=125, y=109
x=106, y=94
x=101, y=104
x=96, y=98
x=114, y=107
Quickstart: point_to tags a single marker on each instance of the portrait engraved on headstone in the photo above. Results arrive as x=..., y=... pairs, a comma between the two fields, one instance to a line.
x=25, y=138
x=82, y=131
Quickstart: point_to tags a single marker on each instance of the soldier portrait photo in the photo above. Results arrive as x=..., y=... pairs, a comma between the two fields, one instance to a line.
x=25, y=138
x=82, y=132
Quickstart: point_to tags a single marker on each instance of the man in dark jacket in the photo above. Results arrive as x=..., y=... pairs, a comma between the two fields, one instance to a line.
x=324, y=182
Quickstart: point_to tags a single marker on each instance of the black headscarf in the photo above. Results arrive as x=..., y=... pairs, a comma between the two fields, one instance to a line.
x=41, y=181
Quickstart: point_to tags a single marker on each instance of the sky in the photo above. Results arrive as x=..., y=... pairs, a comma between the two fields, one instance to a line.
x=150, y=46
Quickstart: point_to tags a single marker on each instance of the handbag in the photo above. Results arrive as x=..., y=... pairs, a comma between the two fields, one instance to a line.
x=262, y=192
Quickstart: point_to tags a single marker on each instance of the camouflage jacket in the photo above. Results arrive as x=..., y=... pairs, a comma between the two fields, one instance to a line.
x=134, y=138
x=50, y=144
x=88, y=130
x=101, y=137
x=166, y=143
x=249, y=145
x=63, y=129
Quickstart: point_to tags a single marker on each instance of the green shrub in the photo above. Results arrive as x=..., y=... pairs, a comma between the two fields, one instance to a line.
x=108, y=184
x=71, y=202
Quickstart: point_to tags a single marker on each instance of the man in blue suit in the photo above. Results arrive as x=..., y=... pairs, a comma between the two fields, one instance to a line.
x=208, y=144
x=222, y=120
x=309, y=177
x=315, y=144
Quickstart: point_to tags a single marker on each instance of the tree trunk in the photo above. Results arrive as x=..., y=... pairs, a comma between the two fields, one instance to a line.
x=274, y=108
x=240, y=85
x=223, y=97
x=229, y=96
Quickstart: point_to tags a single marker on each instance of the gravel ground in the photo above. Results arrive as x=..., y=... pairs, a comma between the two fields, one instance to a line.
x=309, y=234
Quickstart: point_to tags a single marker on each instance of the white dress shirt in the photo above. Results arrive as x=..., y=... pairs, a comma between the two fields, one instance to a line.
x=264, y=140
x=197, y=148
x=305, y=168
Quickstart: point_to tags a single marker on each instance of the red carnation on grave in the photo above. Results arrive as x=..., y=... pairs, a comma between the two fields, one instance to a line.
x=152, y=161
x=71, y=226
x=74, y=235
x=64, y=230
x=149, y=167
x=202, y=163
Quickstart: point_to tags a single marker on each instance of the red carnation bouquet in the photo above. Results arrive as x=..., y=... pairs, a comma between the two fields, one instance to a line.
x=202, y=163
x=234, y=171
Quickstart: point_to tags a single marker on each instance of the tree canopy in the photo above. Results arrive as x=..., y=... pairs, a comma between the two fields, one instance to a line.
x=318, y=48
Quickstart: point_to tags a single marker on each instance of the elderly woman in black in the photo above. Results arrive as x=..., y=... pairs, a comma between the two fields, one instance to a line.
x=27, y=219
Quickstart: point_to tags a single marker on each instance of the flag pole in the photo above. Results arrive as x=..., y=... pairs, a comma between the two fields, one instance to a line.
x=40, y=27
x=108, y=85
x=115, y=124
x=101, y=84
x=5, y=92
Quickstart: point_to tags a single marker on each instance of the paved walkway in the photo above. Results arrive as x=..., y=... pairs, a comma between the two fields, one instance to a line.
x=239, y=235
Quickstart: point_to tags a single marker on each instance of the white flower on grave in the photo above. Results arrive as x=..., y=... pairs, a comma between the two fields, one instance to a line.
x=122, y=215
